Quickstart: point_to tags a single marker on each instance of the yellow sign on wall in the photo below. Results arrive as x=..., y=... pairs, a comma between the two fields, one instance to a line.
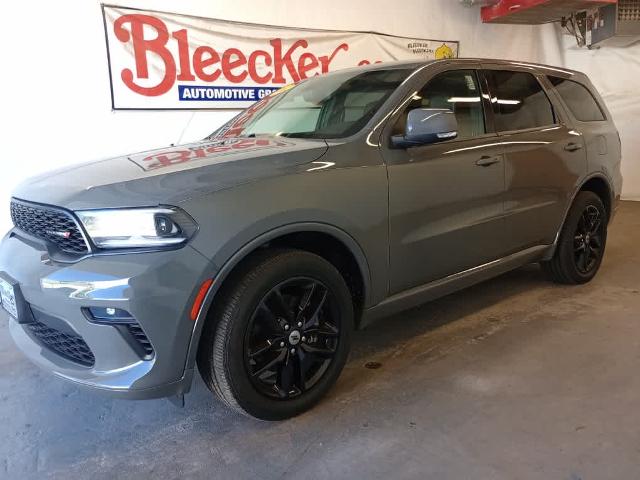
x=444, y=51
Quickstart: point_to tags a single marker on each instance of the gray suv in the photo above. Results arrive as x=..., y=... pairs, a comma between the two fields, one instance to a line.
x=255, y=252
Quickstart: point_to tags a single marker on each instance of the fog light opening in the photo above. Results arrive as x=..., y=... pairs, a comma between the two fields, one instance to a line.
x=124, y=323
x=109, y=315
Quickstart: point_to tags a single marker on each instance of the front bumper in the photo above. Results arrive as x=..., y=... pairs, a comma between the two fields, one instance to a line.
x=158, y=290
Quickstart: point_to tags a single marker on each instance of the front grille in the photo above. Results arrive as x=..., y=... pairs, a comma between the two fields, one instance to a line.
x=71, y=347
x=54, y=226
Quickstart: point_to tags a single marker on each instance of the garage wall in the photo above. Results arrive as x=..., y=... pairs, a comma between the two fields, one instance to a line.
x=55, y=88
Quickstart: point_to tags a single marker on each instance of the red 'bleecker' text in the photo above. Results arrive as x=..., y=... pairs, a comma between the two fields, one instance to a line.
x=217, y=148
x=209, y=65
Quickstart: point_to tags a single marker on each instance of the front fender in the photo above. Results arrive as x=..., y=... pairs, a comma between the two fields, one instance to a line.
x=350, y=204
x=220, y=274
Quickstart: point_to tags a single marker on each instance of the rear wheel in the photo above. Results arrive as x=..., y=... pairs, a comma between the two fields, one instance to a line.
x=582, y=242
x=280, y=335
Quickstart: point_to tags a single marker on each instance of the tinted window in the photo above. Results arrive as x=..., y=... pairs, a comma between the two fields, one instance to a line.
x=519, y=101
x=327, y=106
x=578, y=99
x=458, y=91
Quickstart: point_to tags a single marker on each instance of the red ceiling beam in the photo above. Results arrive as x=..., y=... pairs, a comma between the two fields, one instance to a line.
x=536, y=11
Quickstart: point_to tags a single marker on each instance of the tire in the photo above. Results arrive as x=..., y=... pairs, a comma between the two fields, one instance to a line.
x=582, y=242
x=254, y=355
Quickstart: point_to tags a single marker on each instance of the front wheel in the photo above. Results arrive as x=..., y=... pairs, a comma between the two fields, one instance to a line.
x=581, y=243
x=279, y=335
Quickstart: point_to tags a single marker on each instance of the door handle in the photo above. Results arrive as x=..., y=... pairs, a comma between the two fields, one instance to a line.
x=572, y=147
x=486, y=161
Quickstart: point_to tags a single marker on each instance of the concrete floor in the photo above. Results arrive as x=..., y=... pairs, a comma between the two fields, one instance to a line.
x=513, y=378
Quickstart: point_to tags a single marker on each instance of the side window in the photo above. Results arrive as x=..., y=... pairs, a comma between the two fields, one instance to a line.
x=579, y=100
x=456, y=90
x=519, y=102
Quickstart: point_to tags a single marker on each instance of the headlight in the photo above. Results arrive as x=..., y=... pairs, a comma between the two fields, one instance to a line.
x=137, y=227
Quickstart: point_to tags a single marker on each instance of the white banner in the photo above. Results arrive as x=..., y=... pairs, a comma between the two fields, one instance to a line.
x=169, y=61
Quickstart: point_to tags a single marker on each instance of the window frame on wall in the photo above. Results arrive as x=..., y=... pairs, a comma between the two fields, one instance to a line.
x=488, y=79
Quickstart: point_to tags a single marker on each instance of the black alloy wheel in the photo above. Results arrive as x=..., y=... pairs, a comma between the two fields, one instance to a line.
x=292, y=338
x=581, y=243
x=278, y=334
x=588, y=240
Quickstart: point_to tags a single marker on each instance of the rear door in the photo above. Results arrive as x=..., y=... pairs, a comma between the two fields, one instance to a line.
x=445, y=199
x=544, y=155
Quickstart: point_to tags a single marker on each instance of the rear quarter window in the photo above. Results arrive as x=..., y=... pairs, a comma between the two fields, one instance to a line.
x=579, y=100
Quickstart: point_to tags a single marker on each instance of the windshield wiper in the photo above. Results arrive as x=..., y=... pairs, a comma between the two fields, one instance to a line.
x=300, y=135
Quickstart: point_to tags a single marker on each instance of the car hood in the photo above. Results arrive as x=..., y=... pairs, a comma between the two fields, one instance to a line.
x=170, y=175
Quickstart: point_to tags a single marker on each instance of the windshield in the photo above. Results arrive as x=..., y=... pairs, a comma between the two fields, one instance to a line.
x=330, y=106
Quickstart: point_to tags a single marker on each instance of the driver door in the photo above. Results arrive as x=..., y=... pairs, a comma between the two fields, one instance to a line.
x=445, y=199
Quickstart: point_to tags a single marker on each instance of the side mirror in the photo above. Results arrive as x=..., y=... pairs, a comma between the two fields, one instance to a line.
x=425, y=126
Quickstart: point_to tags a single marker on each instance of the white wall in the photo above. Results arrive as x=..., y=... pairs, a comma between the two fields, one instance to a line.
x=55, y=87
